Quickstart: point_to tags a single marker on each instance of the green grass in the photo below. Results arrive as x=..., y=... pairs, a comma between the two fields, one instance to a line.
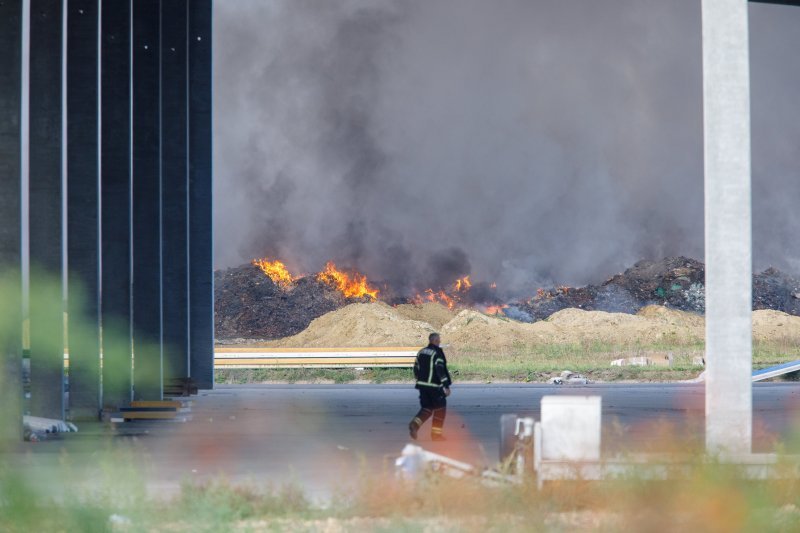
x=530, y=365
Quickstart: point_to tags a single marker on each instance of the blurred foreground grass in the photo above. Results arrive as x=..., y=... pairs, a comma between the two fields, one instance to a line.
x=530, y=365
x=711, y=498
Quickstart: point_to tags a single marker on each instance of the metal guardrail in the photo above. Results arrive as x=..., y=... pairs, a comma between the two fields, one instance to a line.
x=261, y=357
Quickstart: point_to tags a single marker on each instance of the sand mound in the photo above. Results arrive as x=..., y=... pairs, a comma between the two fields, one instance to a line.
x=771, y=326
x=377, y=324
x=370, y=324
x=654, y=325
x=674, y=317
x=578, y=318
x=433, y=313
x=476, y=330
x=470, y=329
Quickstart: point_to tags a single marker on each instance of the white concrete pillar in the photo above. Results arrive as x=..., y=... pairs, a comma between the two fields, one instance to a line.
x=726, y=114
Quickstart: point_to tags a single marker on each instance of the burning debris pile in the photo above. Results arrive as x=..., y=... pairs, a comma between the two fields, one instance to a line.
x=265, y=300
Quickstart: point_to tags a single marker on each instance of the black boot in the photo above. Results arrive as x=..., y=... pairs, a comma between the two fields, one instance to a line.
x=413, y=427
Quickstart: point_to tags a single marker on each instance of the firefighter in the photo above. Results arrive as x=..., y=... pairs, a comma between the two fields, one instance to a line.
x=433, y=383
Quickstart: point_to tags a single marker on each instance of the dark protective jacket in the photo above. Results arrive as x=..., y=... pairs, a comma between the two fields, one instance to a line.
x=430, y=368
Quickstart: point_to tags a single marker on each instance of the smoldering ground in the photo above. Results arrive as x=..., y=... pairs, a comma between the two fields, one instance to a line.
x=528, y=143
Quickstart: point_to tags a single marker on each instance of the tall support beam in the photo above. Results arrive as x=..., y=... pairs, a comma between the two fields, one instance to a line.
x=174, y=187
x=147, y=283
x=201, y=275
x=83, y=187
x=10, y=220
x=115, y=164
x=45, y=212
x=726, y=113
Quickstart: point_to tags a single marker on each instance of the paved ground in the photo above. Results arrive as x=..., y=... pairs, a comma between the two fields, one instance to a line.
x=324, y=435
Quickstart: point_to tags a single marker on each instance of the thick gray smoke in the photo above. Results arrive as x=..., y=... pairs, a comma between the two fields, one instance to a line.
x=523, y=142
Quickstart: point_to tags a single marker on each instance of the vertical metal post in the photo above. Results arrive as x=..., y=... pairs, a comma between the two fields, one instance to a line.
x=726, y=113
x=10, y=219
x=115, y=163
x=83, y=202
x=174, y=187
x=201, y=274
x=46, y=211
x=147, y=282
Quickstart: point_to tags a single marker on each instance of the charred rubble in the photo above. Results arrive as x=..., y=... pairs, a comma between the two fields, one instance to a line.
x=675, y=282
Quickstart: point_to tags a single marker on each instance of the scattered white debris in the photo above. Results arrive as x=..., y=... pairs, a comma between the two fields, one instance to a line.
x=570, y=378
x=636, y=361
x=415, y=462
x=37, y=424
x=699, y=361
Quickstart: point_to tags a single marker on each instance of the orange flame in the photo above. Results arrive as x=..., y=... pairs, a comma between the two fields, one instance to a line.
x=440, y=297
x=353, y=285
x=462, y=284
x=276, y=271
x=541, y=293
x=495, y=309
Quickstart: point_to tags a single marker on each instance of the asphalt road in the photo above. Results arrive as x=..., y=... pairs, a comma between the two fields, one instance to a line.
x=325, y=435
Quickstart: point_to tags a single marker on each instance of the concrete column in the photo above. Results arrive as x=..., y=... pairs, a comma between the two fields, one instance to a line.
x=726, y=113
x=83, y=202
x=201, y=275
x=10, y=220
x=174, y=188
x=147, y=284
x=45, y=214
x=115, y=166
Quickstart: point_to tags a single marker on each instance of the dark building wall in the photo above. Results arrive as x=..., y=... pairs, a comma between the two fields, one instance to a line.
x=115, y=165
x=10, y=211
x=201, y=278
x=174, y=188
x=45, y=215
x=147, y=310
x=83, y=258
x=138, y=195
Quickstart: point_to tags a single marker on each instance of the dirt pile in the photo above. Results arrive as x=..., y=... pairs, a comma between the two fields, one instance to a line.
x=776, y=326
x=363, y=324
x=434, y=313
x=574, y=326
x=471, y=329
x=378, y=324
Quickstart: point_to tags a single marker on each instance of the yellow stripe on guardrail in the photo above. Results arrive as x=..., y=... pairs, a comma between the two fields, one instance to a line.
x=261, y=357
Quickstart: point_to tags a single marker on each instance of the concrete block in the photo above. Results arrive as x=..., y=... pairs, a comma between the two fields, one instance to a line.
x=570, y=428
